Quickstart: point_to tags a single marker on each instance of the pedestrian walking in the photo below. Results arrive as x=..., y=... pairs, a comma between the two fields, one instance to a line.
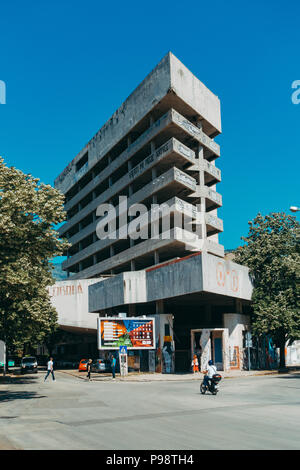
x=89, y=364
x=113, y=366
x=50, y=370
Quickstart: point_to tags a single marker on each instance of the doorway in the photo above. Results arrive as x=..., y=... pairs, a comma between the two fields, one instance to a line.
x=214, y=349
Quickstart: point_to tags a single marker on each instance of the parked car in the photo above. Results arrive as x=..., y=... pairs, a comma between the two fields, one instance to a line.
x=82, y=366
x=101, y=365
x=29, y=364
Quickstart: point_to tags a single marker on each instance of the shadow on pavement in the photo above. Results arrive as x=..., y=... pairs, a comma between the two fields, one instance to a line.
x=7, y=395
x=19, y=379
x=289, y=376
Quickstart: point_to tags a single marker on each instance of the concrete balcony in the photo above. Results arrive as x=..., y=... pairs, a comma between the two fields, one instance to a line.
x=212, y=174
x=213, y=224
x=166, y=186
x=196, y=133
x=168, y=155
x=213, y=199
x=214, y=248
x=176, y=243
x=170, y=124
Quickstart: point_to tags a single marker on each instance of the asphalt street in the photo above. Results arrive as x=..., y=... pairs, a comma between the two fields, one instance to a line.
x=248, y=413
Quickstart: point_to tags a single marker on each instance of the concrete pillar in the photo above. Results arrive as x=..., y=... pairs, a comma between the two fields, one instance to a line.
x=156, y=257
x=199, y=123
x=132, y=309
x=165, y=345
x=205, y=344
x=236, y=323
x=159, y=306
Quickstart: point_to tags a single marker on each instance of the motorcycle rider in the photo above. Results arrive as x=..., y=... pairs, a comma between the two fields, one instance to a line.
x=211, y=370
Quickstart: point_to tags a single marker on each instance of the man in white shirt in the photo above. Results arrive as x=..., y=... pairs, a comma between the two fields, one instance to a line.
x=50, y=369
x=211, y=370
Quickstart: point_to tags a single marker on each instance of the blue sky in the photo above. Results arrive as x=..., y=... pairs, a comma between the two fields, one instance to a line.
x=69, y=65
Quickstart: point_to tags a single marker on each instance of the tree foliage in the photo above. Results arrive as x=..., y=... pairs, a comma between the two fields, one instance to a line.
x=29, y=210
x=271, y=252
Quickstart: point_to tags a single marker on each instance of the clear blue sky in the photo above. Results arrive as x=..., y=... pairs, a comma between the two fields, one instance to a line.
x=69, y=65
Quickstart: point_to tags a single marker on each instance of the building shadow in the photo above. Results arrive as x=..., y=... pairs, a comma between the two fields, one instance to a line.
x=289, y=375
x=8, y=395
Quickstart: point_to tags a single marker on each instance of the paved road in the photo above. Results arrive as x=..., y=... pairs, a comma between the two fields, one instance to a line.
x=249, y=413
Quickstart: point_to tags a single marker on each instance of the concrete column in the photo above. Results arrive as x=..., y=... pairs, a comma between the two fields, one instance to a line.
x=236, y=323
x=159, y=306
x=132, y=309
x=156, y=257
x=165, y=346
x=205, y=344
x=110, y=183
x=199, y=123
x=132, y=262
x=130, y=189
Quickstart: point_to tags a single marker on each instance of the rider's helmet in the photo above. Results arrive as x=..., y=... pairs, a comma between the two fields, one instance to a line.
x=210, y=362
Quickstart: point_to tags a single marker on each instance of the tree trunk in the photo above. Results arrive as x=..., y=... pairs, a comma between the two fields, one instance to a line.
x=282, y=365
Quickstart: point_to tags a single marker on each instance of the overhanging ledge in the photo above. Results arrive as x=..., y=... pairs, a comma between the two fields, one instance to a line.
x=199, y=272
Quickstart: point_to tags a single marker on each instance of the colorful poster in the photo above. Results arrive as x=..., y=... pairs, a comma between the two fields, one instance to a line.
x=135, y=333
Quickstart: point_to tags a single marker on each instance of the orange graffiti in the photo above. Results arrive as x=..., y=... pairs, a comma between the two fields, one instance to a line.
x=222, y=275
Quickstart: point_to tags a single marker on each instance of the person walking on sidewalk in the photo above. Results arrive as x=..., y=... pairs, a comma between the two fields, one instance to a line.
x=113, y=366
x=50, y=369
x=89, y=364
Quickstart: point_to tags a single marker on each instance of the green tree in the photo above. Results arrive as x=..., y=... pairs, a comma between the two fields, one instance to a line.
x=29, y=211
x=271, y=252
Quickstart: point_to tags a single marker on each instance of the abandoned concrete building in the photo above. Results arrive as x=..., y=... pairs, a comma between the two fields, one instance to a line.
x=159, y=148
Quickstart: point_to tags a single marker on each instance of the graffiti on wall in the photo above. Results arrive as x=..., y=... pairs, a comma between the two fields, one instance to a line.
x=205, y=347
x=234, y=353
x=229, y=278
x=57, y=290
x=263, y=354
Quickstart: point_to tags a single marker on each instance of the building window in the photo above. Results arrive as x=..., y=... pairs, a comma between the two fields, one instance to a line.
x=82, y=161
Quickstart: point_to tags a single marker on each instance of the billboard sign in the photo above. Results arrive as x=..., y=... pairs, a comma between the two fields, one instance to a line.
x=133, y=332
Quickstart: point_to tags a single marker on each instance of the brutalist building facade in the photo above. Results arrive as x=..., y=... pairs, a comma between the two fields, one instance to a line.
x=153, y=167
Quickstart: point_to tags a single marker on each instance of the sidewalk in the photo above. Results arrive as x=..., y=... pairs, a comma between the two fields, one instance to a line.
x=155, y=377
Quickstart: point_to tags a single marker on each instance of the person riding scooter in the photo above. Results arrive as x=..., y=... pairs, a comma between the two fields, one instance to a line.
x=211, y=370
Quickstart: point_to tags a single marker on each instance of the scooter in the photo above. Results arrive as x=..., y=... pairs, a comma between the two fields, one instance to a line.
x=213, y=385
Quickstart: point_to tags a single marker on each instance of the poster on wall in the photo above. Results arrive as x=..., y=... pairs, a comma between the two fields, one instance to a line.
x=133, y=332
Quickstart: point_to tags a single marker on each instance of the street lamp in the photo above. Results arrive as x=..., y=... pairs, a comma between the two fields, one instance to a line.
x=294, y=209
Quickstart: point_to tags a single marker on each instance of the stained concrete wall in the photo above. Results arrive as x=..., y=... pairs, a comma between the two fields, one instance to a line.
x=195, y=273
x=169, y=74
x=70, y=298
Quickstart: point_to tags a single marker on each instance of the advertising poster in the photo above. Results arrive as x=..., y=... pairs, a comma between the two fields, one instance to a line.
x=135, y=333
